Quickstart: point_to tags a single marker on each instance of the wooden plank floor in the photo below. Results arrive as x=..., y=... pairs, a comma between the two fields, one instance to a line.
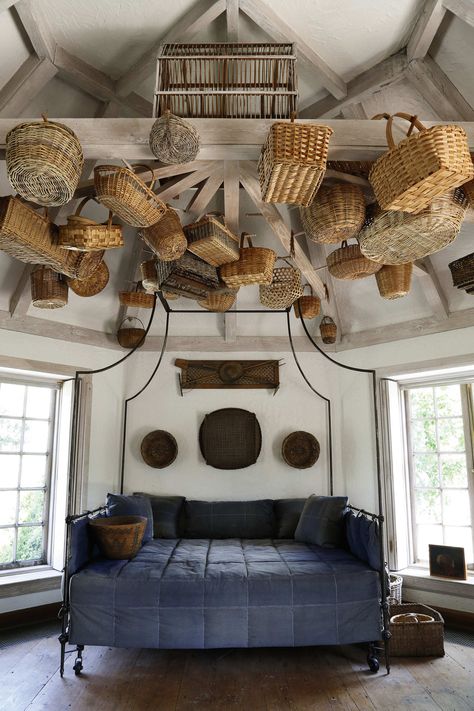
x=252, y=680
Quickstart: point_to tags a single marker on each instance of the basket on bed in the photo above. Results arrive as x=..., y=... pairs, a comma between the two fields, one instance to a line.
x=166, y=237
x=123, y=192
x=48, y=289
x=119, y=537
x=86, y=235
x=308, y=305
x=254, y=266
x=210, y=239
x=336, y=213
x=348, y=262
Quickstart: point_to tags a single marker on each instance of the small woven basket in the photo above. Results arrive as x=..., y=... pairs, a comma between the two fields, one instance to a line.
x=119, y=537
x=127, y=196
x=212, y=241
x=336, y=213
x=395, y=583
x=44, y=162
x=292, y=162
x=328, y=330
x=166, y=237
x=218, y=301
x=173, y=140
x=48, y=289
x=254, y=266
x=284, y=289
x=422, y=166
x=85, y=235
x=138, y=298
x=416, y=639
x=348, y=262
x=149, y=276
x=307, y=306
x=394, y=280
x=462, y=271
x=131, y=336
x=93, y=285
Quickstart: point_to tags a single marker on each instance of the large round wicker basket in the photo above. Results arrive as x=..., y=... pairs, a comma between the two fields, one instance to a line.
x=394, y=280
x=348, y=262
x=336, y=213
x=166, y=237
x=119, y=537
x=93, y=285
x=173, y=140
x=48, y=289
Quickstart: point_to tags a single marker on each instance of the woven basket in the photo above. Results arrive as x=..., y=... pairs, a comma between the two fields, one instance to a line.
x=395, y=584
x=307, y=306
x=421, y=167
x=348, y=262
x=462, y=271
x=391, y=237
x=93, y=285
x=336, y=213
x=44, y=162
x=128, y=196
x=218, y=301
x=416, y=639
x=48, y=289
x=187, y=276
x=131, y=337
x=119, y=537
x=469, y=192
x=166, y=237
x=149, y=276
x=328, y=330
x=85, y=235
x=284, y=289
x=254, y=266
x=394, y=280
x=137, y=298
x=173, y=140
x=292, y=162
x=212, y=241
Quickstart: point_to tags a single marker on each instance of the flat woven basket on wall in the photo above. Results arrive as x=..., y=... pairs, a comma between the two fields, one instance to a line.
x=210, y=239
x=395, y=237
x=394, y=280
x=93, y=285
x=336, y=213
x=292, y=162
x=416, y=639
x=421, y=167
x=166, y=237
x=284, y=289
x=462, y=271
x=173, y=140
x=218, y=301
x=348, y=262
x=254, y=266
x=86, y=235
x=127, y=195
x=48, y=289
x=137, y=298
x=308, y=305
x=44, y=161
x=328, y=330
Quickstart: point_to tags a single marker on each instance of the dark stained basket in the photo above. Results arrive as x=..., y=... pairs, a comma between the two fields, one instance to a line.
x=159, y=449
x=462, y=272
x=119, y=537
x=300, y=449
x=230, y=438
x=131, y=336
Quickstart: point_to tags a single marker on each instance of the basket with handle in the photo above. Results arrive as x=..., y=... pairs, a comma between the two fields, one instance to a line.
x=308, y=305
x=285, y=287
x=394, y=280
x=462, y=272
x=328, y=330
x=348, y=262
x=218, y=301
x=92, y=285
x=422, y=166
x=416, y=631
x=210, y=239
x=166, y=237
x=173, y=140
x=292, y=162
x=254, y=266
x=131, y=336
x=127, y=196
x=48, y=288
x=86, y=235
x=336, y=213
x=44, y=161
x=137, y=298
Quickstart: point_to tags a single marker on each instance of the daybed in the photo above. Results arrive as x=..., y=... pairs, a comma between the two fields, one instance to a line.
x=226, y=574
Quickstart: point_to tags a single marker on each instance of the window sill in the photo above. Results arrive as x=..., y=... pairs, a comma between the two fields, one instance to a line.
x=32, y=581
x=417, y=578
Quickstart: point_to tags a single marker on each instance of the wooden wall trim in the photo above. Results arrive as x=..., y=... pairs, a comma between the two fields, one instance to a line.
x=15, y=588
x=30, y=616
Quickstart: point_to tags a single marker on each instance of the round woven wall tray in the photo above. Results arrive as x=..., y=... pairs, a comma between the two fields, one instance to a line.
x=300, y=449
x=230, y=438
x=159, y=449
x=93, y=285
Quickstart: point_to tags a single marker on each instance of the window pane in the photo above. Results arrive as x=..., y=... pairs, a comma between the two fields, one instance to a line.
x=9, y=470
x=31, y=506
x=456, y=507
x=36, y=436
x=451, y=435
x=11, y=399
x=425, y=536
x=453, y=470
x=428, y=506
x=426, y=470
x=38, y=402
x=8, y=501
x=423, y=433
x=10, y=435
x=30, y=543
x=6, y=545
x=33, y=470
x=460, y=536
x=448, y=400
x=422, y=402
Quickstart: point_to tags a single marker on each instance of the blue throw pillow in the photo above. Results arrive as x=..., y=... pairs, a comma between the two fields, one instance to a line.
x=121, y=505
x=166, y=513
x=322, y=521
x=287, y=515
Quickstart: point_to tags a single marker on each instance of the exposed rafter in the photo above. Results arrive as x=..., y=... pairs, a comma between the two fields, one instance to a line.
x=432, y=289
x=464, y=9
x=20, y=300
x=5, y=4
x=33, y=20
x=425, y=29
x=174, y=188
x=206, y=191
x=231, y=212
x=433, y=84
x=317, y=255
x=27, y=82
x=232, y=20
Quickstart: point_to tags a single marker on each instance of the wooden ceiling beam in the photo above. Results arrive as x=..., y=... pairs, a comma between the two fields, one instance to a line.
x=5, y=4
x=317, y=255
x=203, y=196
x=170, y=191
x=232, y=20
x=27, y=82
x=32, y=18
x=425, y=29
x=432, y=83
x=232, y=216
x=20, y=300
x=464, y=9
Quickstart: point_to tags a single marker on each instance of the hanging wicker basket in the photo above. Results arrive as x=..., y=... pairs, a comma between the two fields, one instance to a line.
x=174, y=140
x=127, y=196
x=254, y=266
x=462, y=272
x=86, y=235
x=48, y=289
x=93, y=285
x=394, y=280
x=336, y=213
x=328, y=330
x=44, y=161
x=187, y=276
x=284, y=289
x=218, y=301
x=131, y=336
x=307, y=306
x=469, y=192
x=394, y=237
x=211, y=240
x=166, y=237
x=149, y=276
x=137, y=298
x=421, y=167
x=348, y=262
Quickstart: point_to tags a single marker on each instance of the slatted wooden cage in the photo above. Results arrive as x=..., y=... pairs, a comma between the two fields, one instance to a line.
x=226, y=80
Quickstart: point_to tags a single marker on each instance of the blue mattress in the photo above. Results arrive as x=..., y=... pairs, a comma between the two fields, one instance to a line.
x=183, y=594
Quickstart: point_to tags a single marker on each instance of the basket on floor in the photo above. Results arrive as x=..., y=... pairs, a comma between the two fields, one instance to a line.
x=44, y=161
x=123, y=192
x=462, y=272
x=292, y=162
x=284, y=290
x=137, y=298
x=422, y=166
x=395, y=237
x=328, y=330
x=394, y=280
x=173, y=140
x=218, y=301
x=48, y=289
x=86, y=235
x=131, y=336
x=187, y=276
x=308, y=305
x=210, y=239
x=348, y=262
x=92, y=285
x=336, y=213
x=166, y=237
x=254, y=266
x=416, y=639
x=119, y=537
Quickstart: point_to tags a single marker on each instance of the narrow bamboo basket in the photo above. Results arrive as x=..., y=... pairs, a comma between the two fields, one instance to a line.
x=336, y=213
x=86, y=235
x=422, y=166
x=166, y=237
x=348, y=262
x=328, y=330
x=127, y=196
x=93, y=285
x=308, y=305
x=173, y=140
x=210, y=239
x=131, y=336
x=394, y=280
x=137, y=298
x=48, y=289
x=218, y=301
x=284, y=290
x=254, y=266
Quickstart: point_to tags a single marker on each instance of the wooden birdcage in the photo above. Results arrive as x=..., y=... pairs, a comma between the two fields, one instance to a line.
x=226, y=80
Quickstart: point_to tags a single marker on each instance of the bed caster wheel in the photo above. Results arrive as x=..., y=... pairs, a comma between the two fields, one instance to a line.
x=373, y=663
x=77, y=667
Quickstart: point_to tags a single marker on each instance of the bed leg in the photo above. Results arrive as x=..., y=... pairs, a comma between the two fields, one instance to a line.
x=63, y=641
x=372, y=657
x=78, y=661
x=386, y=644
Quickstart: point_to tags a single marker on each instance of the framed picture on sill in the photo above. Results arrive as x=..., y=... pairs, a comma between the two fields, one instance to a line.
x=447, y=562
